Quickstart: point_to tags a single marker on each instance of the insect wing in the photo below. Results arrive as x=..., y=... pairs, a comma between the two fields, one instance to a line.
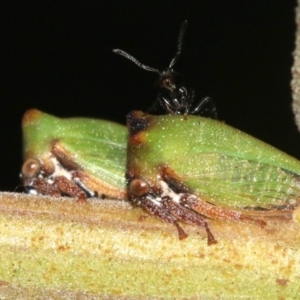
x=240, y=184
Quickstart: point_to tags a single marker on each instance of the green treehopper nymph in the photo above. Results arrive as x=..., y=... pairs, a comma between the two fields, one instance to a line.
x=186, y=169
x=78, y=157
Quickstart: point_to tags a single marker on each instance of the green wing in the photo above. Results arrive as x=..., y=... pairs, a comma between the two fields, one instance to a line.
x=234, y=182
x=99, y=157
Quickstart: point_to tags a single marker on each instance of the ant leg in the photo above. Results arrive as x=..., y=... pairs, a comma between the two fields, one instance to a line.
x=165, y=103
x=202, y=103
x=176, y=104
x=189, y=102
x=153, y=106
x=211, y=107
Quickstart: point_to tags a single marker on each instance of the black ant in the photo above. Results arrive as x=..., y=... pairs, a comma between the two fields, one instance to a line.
x=173, y=96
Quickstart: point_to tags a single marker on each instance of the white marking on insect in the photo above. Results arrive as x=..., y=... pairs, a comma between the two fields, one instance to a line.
x=33, y=192
x=167, y=192
x=60, y=170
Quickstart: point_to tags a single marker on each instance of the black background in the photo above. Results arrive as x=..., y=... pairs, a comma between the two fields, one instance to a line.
x=57, y=56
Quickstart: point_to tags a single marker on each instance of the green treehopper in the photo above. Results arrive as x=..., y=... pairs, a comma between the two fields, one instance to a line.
x=186, y=169
x=78, y=157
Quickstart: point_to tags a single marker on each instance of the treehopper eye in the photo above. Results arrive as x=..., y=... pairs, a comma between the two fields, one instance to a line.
x=78, y=157
x=187, y=169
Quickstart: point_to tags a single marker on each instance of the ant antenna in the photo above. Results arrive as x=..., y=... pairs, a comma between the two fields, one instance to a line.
x=130, y=57
x=147, y=68
x=180, y=39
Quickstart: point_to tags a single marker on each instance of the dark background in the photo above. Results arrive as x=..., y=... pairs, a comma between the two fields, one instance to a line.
x=57, y=56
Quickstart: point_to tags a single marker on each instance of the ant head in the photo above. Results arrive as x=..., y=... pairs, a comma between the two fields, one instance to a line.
x=169, y=72
x=168, y=81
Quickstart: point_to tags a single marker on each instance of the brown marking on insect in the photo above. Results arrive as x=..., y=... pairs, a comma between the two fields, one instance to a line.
x=173, y=180
x=136, y=123
x=133, y=172
x=30, y=116
x=137, y=139
x=42, y=186
x=63, y=156
x=216, y=212
x=100, y=186
x=70, y=188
